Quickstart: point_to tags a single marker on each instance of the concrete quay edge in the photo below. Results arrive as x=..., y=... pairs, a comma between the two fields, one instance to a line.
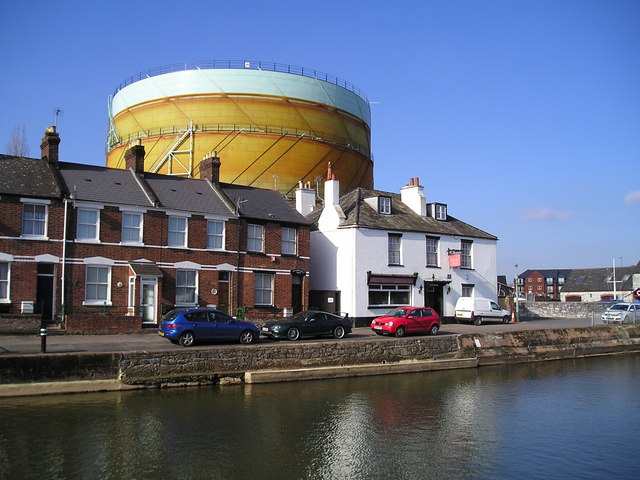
x=322, y=373
x=74, y=386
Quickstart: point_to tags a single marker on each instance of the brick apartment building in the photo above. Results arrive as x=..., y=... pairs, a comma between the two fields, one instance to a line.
x=543, y=283
x=80, y=241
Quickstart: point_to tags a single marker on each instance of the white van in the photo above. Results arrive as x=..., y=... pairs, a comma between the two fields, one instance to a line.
x=478, y=310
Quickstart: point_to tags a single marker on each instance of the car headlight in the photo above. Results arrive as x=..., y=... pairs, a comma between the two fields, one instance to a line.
x=390, y=324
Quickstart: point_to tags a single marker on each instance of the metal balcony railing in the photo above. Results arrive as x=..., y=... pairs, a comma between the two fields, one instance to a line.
x=243, y=65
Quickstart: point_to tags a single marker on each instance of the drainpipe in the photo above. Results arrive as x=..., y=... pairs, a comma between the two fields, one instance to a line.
x=237, y=203
x=64, y=260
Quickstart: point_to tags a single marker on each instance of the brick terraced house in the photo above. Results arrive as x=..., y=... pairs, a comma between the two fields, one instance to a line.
x=101, y=249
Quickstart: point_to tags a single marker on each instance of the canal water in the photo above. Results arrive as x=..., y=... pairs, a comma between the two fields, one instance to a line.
x=572, y=419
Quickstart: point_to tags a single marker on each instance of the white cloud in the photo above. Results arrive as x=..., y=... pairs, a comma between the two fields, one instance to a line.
x=546, y=213
x=632, y=197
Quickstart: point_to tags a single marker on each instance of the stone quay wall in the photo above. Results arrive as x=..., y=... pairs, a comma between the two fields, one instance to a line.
x=561, y=309
x=288, y=361
x=210, y=365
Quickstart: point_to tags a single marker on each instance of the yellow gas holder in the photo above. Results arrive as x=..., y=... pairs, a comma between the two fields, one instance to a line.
x=272, y=125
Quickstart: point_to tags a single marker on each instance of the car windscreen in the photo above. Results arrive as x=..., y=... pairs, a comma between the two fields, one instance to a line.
x=619, y=307
x=301, y=316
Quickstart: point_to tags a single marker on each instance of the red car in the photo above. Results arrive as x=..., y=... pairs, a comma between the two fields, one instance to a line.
x=403, y=320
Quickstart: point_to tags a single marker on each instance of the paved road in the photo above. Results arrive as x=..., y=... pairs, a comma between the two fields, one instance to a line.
x=150, y=341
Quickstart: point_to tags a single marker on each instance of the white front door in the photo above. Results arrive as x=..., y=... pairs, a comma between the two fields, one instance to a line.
x=148, y=294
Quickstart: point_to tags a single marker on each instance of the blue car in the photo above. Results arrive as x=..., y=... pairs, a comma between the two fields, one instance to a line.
x=187, y=326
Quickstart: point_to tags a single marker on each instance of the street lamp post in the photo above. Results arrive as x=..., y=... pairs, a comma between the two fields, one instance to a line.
x=515, y=291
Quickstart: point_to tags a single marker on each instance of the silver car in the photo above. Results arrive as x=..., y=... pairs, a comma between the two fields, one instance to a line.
x=622, y=313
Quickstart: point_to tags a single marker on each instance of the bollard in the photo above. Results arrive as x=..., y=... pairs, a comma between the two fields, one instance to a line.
x=43, y=340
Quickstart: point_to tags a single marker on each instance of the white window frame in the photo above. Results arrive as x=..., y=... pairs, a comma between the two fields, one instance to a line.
x=97, y=284
x=467, y=290
x=394, y=248
x=466, y=253
x=183, y=281
x=213, y=235
x=179, y=233
x=263, y=288
x=5, y=281
x=33, y=203
x=95, y=225
x=435, y=243
x=253, y=238
x=139, y=228
x=441, y=212
x=384, y=205
x=289, y=241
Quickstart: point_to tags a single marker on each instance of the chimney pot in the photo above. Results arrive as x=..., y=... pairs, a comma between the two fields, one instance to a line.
x=330, y=175
x=49, y=145
x=210, y=167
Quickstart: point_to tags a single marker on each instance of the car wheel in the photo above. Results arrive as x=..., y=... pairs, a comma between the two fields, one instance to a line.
x=506, y=319
x=247, y=337
x=477, y=320
x=293, y=334
x=434, y=330
x=400, y=332
x=338, y=332
x=187, y=339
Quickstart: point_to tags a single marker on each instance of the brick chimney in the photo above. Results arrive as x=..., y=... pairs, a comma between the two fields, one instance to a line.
x=210, y=167
x=49, y=145
x=134, y=157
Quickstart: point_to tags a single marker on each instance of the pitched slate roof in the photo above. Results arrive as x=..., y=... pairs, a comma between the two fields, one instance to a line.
x=598, y=279
x=31, y=177
x=547, y=273
x=262, y=204
x=123, y=187
x=359, y=214
x=91, y=183
x=186, y=194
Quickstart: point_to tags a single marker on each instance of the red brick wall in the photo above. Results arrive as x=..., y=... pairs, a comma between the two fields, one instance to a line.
x=102, y=324
x=23, y=274
x=536, y=282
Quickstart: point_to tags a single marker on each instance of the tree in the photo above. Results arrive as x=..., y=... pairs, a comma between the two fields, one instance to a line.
x=18, y=145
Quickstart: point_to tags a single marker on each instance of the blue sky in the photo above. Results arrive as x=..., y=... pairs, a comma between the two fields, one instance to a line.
x=523, y=116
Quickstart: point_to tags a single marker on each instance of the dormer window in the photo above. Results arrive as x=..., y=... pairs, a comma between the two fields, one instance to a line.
x=384, y=205
x=437, y=211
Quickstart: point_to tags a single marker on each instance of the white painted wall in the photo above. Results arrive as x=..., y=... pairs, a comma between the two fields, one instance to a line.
x=340, y=259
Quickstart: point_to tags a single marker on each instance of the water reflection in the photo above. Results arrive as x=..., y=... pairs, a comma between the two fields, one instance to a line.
x=523, y=421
